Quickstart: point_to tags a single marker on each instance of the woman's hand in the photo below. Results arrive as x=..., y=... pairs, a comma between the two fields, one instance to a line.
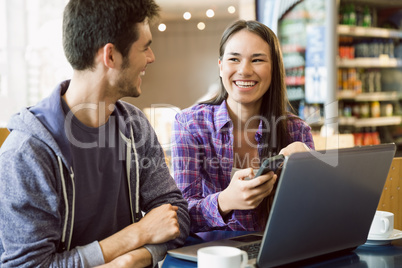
x=245, y=191
x=294, y=147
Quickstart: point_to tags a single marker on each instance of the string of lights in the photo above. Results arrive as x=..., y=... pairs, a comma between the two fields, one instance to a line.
x=201, y=25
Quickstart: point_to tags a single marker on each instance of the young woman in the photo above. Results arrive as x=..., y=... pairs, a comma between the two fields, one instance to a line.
x=218, y=144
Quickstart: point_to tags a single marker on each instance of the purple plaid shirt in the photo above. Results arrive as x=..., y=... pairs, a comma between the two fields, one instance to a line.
x=202, y=159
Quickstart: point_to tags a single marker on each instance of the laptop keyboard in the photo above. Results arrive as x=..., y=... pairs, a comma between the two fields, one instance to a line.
x=251, y=249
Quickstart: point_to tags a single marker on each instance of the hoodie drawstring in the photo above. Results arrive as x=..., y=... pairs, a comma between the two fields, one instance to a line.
x=73, y=209
x=63, y=185
x=137, y=215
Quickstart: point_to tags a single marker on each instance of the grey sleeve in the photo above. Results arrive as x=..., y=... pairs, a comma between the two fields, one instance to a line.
x=91, y=254
x=157, y=187
x=158, y=252
x=29, y=217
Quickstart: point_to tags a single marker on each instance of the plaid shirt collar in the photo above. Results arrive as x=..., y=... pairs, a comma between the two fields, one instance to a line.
x=223, y=122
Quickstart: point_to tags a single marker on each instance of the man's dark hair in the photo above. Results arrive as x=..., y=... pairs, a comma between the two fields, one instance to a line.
x=88, y=25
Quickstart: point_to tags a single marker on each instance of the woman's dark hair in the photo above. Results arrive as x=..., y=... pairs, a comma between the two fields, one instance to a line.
x=274, y=102
x=88, y=25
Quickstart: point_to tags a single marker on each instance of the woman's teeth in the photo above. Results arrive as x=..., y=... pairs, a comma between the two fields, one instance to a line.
x=245, y=84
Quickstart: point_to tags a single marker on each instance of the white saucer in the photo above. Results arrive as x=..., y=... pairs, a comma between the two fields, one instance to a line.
x=375, y=241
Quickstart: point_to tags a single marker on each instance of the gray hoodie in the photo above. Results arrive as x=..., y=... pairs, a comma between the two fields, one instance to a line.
x=37, y=187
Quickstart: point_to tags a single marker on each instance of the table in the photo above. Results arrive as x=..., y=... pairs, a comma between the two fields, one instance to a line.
x=383, y=256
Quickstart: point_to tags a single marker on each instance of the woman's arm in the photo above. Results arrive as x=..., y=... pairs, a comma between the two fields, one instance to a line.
x=211, y=197
x=188, y=157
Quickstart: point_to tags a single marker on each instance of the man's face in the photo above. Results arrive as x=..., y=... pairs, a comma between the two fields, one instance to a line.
x=134, y=65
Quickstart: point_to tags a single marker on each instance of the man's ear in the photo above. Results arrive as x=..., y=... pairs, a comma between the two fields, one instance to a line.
x=111, y=57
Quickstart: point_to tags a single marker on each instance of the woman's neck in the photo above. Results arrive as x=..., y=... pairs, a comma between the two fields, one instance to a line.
x=244, y=116
x=246, y=121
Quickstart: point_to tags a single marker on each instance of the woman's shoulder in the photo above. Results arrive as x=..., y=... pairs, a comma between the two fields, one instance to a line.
x=295, y=122
x=202, y=118
x=294, y=118
x=198, y=112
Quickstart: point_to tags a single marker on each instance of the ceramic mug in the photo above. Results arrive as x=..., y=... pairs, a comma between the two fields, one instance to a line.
x=221, y=257
x=382, y=225
x=377, y=261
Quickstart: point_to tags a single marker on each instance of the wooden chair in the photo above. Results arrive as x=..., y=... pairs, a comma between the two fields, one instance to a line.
x=3, y=135
x=391, y=198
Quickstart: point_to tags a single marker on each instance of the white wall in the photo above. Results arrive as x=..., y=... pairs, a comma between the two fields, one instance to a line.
x=32, y=61
x=186, y=64
x=13, y=73
x=185, y=68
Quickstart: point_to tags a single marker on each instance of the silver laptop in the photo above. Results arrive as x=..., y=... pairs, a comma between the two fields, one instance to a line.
x=324, y=203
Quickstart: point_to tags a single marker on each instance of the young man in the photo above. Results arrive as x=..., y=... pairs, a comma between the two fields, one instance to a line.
x=80, y=167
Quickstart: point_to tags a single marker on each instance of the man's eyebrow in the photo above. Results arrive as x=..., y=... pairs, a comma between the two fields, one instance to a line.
x=148, y=43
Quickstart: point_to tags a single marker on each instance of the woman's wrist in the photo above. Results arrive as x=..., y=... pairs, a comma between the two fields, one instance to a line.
x=223, y=207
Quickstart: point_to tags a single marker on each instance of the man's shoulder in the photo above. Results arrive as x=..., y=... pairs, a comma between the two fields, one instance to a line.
x=24, y=152
x=127, y=109
x=130, y=114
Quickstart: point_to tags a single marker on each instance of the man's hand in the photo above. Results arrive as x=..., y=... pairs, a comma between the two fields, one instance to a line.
x=160, y=224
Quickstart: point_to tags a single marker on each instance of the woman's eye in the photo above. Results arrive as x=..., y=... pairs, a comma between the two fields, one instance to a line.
x=233, y=59
x=258, y=60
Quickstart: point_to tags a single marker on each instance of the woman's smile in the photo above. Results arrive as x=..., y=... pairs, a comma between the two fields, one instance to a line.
x=246, y=68
x=245, y=85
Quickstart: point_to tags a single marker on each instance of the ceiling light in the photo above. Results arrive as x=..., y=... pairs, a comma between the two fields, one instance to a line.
x=201, y=26
x=210, y=13
x=187, y=15
x=162, y=27
x=231, y=9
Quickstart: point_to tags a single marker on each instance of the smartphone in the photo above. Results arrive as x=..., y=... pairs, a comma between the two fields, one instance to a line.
x=271, y=164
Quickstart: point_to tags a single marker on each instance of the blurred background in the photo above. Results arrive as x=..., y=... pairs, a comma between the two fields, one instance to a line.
x=32, y=61
x=343, y=61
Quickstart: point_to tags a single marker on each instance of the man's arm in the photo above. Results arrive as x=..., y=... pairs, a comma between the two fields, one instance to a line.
x=137, y=258
x=30, y=223
x=158, y=226
x=157, y=188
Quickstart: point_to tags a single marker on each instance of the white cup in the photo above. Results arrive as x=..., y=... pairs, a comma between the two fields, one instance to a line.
x=378, y=261
x=382, y=225
x=221, y=257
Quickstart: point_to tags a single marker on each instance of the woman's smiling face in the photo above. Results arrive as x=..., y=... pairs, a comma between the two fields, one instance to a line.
x=246, y=68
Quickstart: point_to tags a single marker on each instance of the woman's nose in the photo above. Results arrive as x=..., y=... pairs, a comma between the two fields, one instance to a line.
x=245, y=68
